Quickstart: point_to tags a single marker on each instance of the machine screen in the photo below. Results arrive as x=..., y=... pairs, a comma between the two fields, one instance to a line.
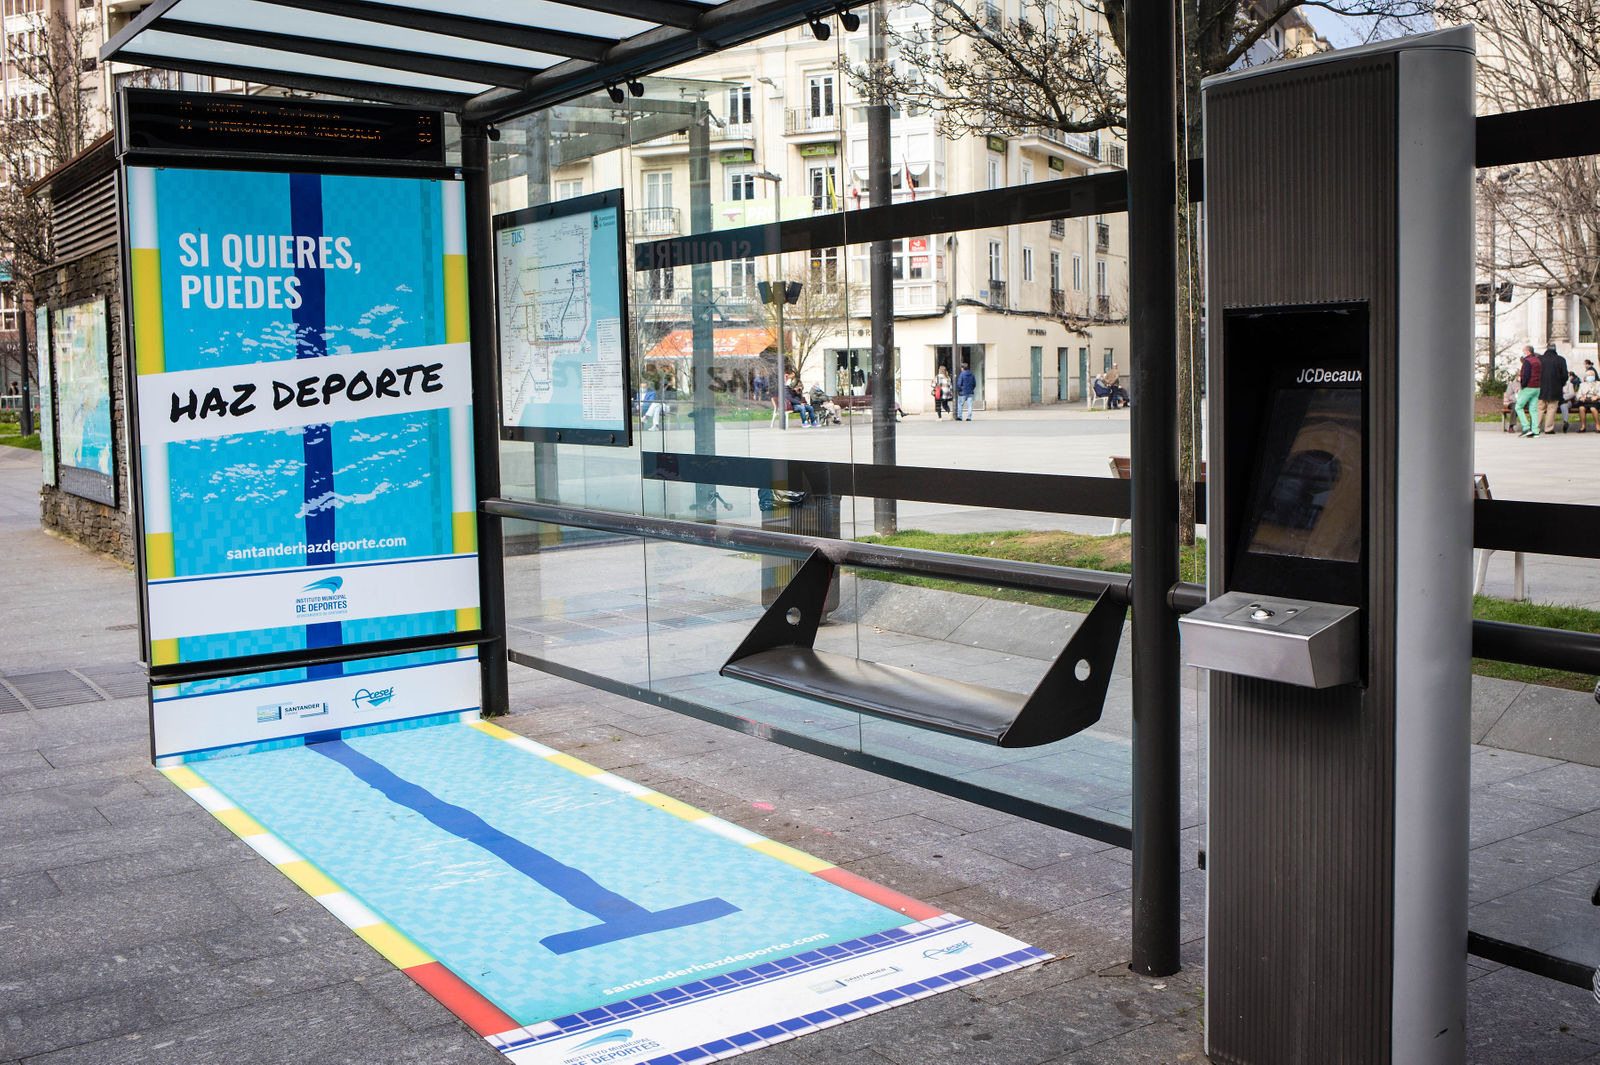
x=1306, y=500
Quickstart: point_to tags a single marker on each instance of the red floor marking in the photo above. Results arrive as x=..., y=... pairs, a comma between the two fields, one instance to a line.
x=461, y=999
x=917, y=911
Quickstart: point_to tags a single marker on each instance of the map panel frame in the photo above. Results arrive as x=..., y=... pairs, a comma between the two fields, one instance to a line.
x=525, y=370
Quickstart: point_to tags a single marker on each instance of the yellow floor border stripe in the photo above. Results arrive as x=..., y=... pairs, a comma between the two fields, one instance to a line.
x=383, y=937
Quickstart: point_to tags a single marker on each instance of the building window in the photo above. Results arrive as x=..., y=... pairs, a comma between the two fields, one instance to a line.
x=823, y=266
x=741, y=277
x=741, y=184
x=1100, y=286
x=658, y=188
x=739, y=105
x=1055, y=271
x=1077, y=273
x=661, y=284
x=1585, y=326
x=819, y=95
x=569, y=190
x=824, y=182
x=996, y=172
x=1027, y=172
x=996, y=261
x=1027, y=263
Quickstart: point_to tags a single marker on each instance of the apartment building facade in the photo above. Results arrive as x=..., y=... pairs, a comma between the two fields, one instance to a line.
x=1034, y=309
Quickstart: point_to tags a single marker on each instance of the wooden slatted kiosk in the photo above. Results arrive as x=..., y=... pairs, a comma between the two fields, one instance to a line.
x=779, y=654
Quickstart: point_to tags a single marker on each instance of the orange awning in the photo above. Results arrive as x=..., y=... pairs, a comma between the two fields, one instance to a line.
x=725, y=343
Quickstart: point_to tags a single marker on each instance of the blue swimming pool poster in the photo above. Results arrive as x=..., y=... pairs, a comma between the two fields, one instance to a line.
x=563, y=322
x=304, y=400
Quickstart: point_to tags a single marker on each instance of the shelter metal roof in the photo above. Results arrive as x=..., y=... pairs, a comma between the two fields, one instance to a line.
x=486, y=60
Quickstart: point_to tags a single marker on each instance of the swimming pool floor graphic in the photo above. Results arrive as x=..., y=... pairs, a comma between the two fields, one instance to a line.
x=572, y=917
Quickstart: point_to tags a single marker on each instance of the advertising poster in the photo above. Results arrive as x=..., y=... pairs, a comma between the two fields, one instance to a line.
x=563, y=342
x=82, y=401
x=304, y=415
x=47, y=423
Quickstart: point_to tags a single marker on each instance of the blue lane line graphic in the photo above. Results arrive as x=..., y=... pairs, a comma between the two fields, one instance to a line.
x=621, y=918
x=311, y=322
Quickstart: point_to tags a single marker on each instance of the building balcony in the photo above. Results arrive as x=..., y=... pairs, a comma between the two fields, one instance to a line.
x=997, y=295
x=1102, y=236
x=1058, y=228
x=650, y=222
x=801, y=120
x=1102, y=307
x=1058, y=301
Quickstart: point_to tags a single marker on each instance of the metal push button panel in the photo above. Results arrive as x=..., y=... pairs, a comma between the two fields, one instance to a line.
x=1296, y=641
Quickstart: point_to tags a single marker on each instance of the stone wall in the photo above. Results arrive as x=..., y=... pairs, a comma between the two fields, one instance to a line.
x=109, y=530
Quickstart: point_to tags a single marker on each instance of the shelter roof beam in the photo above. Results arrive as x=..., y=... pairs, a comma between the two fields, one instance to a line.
x=488, y=31
x=369, y=55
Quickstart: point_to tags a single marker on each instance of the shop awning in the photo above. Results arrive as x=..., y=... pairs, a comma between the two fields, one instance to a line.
x=725, y=343
x=486, y=60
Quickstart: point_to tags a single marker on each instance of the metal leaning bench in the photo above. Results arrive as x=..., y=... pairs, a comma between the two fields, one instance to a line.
x=779, y=654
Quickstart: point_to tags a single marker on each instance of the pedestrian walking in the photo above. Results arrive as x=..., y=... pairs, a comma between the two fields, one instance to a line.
x=1528, y=376
x=966, y=385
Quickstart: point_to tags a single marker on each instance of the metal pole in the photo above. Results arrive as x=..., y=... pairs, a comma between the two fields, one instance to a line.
x=885, y=516
x=485, y=417
x=1153, y=292
x=702, y=330
x=23, y=324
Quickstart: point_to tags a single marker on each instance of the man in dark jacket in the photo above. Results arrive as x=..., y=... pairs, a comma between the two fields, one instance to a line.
x=1552, y=376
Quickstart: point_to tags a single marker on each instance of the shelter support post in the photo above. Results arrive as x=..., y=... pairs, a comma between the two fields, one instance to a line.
x=703, y=330
x=485, y=416
x=1153, y=292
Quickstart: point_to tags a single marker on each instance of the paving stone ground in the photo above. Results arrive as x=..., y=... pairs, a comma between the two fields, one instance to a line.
x=134, y=929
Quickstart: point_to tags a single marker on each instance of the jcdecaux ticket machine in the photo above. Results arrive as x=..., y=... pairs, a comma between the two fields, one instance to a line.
x=1338, y=202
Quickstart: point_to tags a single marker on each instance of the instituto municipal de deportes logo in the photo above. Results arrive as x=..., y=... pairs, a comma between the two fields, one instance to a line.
x=614, y=1045
x=325, y=599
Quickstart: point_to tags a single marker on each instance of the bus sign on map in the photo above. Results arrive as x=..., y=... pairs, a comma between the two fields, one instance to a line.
x=563, y=322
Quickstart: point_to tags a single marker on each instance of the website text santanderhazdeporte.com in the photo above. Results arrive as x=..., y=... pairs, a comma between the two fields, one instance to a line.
x=731, y=959
x=285, y=550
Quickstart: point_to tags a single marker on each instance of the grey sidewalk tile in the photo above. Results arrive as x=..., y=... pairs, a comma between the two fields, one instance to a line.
x=98, y=841
x=58, y=982
x=1555, y=916
x=1491, y=697
x=90, y=924
x=76, y=787
x=1511, y=865
x=405, y=998
x=329, y=1026
x=28, y=820
x=127, y=870
x=22, y=890
x=1169, y=1041
x=1515, y=1016
x=20, y=761
x=1551, y=722
x=1491, y=765
x=133, y=750
x=1570, y=787
x=38, y=1030
x=1497, y=816
x=908, y=876
x=281, y=933
x=1032, y=845
x=324, y=964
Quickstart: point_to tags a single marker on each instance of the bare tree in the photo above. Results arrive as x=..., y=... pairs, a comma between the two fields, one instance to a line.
x=52, y=123
x=1061, y=65
x=1546, y=215
x=822, y=311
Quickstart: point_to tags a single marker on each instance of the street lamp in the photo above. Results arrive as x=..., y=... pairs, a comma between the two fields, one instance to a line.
x=777, y=286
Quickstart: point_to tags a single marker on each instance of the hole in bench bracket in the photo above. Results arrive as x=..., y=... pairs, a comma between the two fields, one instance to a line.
x=778, y=654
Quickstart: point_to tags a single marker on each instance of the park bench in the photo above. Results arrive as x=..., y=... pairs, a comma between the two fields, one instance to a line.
x=1480, y=490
